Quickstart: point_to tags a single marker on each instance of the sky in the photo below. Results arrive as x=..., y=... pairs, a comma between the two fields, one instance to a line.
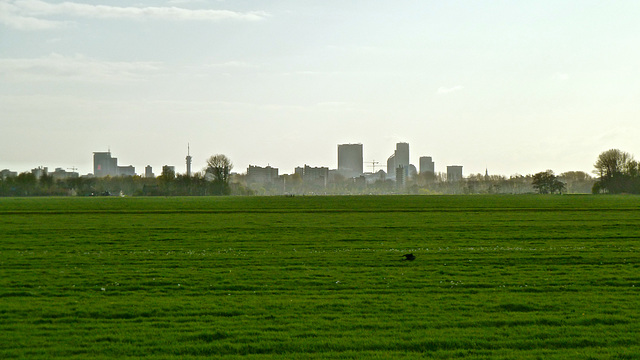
x=514, y=87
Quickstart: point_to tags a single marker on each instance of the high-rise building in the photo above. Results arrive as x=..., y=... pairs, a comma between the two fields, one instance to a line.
x=104, y=164
x=402, y=155
x=399, y=158
x=350, y=160
x=427, y=165
x=454, y=173
x=148, y=172
x=391, y=166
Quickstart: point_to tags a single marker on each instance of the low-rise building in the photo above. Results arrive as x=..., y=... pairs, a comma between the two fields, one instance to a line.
x=6, y=173
x=60, y=174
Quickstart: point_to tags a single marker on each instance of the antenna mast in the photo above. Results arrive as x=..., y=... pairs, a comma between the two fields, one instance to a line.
x=188, y=160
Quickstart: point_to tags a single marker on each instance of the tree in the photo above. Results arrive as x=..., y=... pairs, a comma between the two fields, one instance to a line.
x=547, y=182
x=46, y=180
x=168, y=174
x=612, y=162
x=27, y=183
x=617, y=172
x=219, y=169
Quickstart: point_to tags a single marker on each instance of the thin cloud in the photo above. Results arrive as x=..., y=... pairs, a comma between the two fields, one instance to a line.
x=12, y=17
x=448, y=90
x=32, y=14
x=75, y=68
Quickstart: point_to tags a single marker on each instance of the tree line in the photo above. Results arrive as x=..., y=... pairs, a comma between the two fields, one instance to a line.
x=617, y=173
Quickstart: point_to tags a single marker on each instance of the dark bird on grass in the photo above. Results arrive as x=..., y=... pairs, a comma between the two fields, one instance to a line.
x=409, y=257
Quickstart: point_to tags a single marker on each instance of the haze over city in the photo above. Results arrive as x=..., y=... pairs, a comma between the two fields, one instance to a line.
x=512, y=87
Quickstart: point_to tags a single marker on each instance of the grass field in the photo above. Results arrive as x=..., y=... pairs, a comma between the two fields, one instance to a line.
x=513, y=277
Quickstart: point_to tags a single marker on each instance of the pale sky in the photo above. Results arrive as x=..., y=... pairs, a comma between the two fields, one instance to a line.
x=512, y=86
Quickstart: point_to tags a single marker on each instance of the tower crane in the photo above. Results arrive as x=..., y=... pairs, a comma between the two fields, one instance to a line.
x=373, y=165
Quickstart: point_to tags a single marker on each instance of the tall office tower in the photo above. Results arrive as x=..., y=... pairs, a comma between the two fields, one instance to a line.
x=391, y=166
x=454, y=173
x=188, y=161
x=104, y=164
x=402, y=155
x=350, y=160
x=148, y=172
x=399, y=158
x=427, y=165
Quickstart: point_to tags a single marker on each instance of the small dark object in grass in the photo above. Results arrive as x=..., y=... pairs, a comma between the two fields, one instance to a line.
x=409, y=257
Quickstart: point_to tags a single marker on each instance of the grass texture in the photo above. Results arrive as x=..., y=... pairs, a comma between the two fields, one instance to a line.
x=495, y=277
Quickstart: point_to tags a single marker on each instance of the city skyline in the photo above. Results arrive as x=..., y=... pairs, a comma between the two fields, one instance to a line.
x=517, y=88
x=104, y=163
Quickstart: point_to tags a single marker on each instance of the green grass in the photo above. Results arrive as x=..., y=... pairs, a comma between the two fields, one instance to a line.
x=531, y=277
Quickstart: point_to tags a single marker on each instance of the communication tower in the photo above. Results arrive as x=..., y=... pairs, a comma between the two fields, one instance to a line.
x=188, y=161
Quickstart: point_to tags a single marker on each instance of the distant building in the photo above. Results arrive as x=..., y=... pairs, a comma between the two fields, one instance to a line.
x=400, y=158
x=412, y=170
x=148, y=172
x=454, y=173
x=313, y=174
x=257, y=174
x=391, y=166
x=379, y=175
x=6, y=173
x=39, y=171
x=126, y=170
x=401, y=175
x=427, y=165
x=350, y=160
x=105, y=165
x=402, y=154
x=60, y=174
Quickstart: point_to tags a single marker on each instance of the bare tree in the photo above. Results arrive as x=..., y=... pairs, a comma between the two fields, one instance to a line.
x=612, y=162
x=219, y=168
